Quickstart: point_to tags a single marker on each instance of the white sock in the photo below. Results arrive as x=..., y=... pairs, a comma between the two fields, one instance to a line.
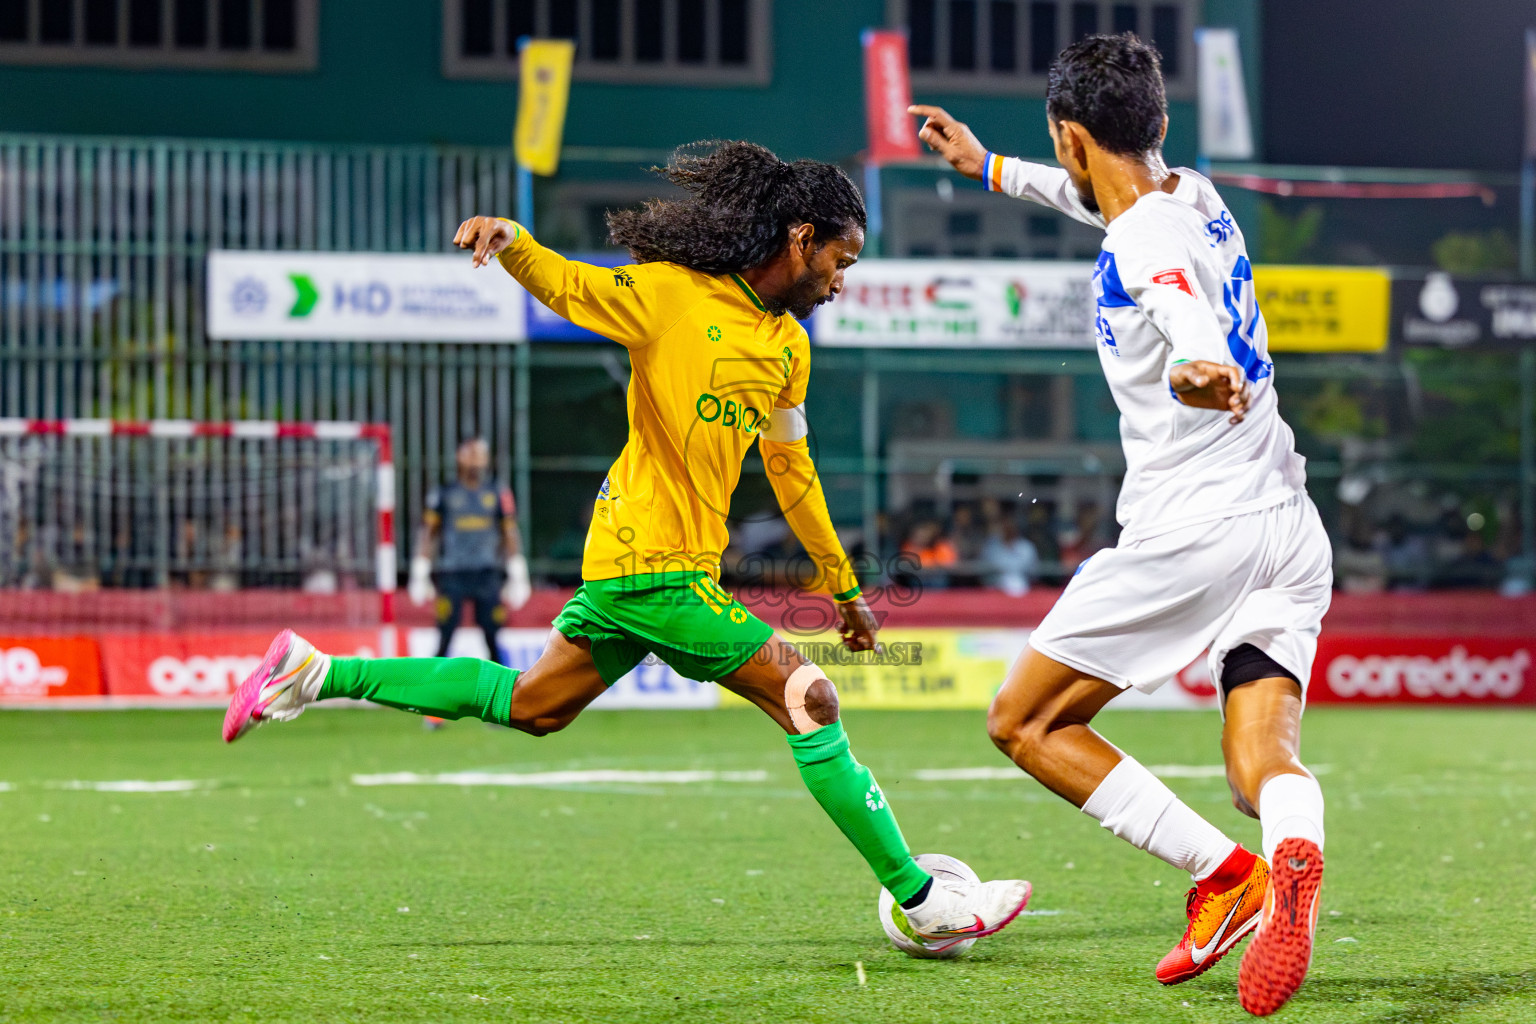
x=1290, y=806
x=1135, y=805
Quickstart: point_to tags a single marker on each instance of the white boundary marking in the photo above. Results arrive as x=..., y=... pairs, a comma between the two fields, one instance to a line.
x=562, y=778
x=132, y=785
x=1164, y=771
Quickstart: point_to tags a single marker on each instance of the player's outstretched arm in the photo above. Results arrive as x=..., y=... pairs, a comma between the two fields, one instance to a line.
x=1022, y=179
x=617, y=302
x=952, y=140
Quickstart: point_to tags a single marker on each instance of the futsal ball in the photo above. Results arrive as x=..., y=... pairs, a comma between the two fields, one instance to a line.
x=943, y=868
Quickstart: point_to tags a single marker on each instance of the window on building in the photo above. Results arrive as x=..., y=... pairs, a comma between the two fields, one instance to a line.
x=245, y=35
x=971, y=224
x=683, y=42
x=1006, y=46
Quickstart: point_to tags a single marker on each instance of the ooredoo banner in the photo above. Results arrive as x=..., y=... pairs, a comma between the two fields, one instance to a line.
x=36, y=668
x=204, y=667
x=1423, y=670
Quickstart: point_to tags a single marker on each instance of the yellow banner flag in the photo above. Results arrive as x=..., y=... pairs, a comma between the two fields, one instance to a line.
x=544, y=88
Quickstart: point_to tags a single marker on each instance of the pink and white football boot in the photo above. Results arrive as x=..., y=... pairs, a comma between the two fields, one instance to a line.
x=287, y=680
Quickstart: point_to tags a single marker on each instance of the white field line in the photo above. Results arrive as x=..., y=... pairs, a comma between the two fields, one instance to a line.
x=561, y=778
x=6, y=787
x=132, y=785
x=1165, y=771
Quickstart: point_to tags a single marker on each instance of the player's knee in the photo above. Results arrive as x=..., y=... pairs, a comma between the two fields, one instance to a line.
x=821, y=702
x=1005, y=723
x=810, y=699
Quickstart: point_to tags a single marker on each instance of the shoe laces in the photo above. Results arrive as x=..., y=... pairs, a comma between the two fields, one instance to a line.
x=1193, y=901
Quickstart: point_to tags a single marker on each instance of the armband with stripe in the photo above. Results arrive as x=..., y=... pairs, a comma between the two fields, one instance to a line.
x=852, y=594
x=992, y=172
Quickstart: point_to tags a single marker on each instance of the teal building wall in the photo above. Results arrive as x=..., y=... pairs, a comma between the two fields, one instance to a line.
x=380, y=80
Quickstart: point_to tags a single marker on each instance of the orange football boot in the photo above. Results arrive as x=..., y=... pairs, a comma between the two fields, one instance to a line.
x=1276, y=964
x=1222, y=909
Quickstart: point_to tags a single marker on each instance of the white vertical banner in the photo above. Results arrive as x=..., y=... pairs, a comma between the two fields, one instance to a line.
x=1225, y=131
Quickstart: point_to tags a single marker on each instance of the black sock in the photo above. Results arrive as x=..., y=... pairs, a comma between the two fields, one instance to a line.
x=922, y=894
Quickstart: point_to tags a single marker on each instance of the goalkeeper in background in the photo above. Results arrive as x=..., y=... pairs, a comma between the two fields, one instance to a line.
x=470, y=548
x=707, y=313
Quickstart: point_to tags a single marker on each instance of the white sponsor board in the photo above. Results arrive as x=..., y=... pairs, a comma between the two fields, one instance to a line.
x=961, y=304
x=361, y=296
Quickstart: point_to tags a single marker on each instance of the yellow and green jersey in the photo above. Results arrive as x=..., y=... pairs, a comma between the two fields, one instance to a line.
x=711, y=368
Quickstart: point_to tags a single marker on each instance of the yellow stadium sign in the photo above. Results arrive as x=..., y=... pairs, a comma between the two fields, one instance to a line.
x=543, y=90
x=1324, y=309
x=919, y=669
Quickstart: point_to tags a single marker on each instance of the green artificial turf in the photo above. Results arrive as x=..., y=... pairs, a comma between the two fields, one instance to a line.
x=282, y=890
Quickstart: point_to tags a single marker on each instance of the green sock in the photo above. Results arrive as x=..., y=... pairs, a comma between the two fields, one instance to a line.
x=443, y=687
x=847, y=791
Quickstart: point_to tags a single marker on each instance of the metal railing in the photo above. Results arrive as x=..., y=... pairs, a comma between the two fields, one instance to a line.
x=102, y=262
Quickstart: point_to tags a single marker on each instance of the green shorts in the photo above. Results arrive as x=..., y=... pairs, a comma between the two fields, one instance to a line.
x=683, y=618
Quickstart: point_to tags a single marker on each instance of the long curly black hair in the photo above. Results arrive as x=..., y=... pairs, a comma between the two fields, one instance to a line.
x=742, y=200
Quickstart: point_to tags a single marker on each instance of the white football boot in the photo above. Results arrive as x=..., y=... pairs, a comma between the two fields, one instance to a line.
x=954, y=911
x=287, y=680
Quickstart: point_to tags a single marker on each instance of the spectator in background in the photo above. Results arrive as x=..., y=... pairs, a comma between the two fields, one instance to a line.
x=967, y=534
x=932, y=551
x=1012, y=559
x=1407, y=555
x=1040, y=529
x=1080, y=540
x=1474, y=566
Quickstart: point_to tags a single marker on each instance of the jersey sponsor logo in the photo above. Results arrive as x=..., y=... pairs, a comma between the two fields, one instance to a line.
x=713, y=333
x=1104, y=334
x=1221, y=229
x=471, y=523
x=729, y=413
x=622, y=279
x=1175, y=277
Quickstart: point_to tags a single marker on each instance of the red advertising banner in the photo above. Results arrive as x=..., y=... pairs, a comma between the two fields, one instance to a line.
x=36, y=668
x=1387, y=668
x=205, y=666
x=1364, y=668
x=887, y=95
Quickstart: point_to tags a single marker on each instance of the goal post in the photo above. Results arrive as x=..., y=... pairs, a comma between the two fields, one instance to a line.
x=97, y=512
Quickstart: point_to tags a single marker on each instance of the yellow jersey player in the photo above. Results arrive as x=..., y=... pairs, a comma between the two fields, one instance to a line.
x=707, y=312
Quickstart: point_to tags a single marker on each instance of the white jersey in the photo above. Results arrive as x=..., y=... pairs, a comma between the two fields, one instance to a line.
x=1173, y=283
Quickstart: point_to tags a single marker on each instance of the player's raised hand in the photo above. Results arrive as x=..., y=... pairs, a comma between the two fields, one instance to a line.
x=1211, y=386
x=858, y=627
x=486, y=235
x=952, y=140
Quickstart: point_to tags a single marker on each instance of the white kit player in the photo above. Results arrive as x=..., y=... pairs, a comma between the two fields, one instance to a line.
x=1220, y=549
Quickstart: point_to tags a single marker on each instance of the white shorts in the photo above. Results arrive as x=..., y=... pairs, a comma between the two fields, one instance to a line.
x=1137, y=614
